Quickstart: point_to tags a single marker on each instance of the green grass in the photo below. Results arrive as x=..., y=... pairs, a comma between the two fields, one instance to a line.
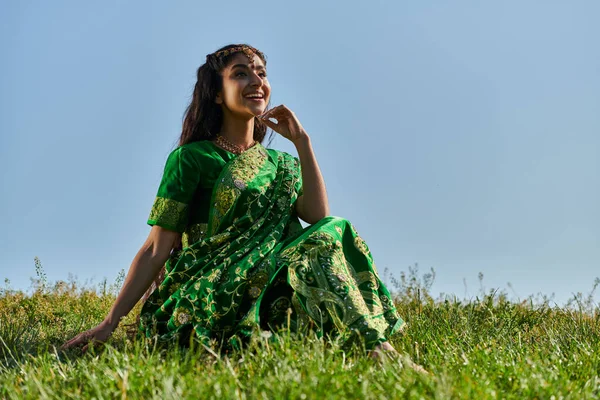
x=488, y=347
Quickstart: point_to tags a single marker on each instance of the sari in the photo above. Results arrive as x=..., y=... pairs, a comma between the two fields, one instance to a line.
x=246, y=264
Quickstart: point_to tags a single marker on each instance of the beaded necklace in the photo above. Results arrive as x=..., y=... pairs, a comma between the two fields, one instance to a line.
x=231, y=147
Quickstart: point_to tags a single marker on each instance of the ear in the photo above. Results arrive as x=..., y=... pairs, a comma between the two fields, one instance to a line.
x=219, y=98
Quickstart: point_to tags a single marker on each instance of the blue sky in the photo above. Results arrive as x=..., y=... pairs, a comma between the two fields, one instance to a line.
x=461, y=136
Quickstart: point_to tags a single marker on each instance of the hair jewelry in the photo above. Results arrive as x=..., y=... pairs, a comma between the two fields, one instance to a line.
x=249, y=51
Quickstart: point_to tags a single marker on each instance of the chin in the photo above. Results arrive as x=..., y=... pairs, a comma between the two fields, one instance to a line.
x=258, y=111
x=246, y=114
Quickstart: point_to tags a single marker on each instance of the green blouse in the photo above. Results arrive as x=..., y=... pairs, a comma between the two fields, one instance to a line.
x=183, y=200
x=246, y=260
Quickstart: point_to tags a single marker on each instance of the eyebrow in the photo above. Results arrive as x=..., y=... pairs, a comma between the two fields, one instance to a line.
x=246, y=66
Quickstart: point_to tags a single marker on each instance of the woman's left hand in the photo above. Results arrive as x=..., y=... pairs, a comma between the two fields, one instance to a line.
x=287, y=124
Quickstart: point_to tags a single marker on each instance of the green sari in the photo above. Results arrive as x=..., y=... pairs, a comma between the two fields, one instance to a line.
x=247, y=264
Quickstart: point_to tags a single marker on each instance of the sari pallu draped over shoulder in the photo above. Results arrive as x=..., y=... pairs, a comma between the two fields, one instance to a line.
x=257, y=268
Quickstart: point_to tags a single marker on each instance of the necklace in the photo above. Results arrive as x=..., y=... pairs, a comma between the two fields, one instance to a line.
x=231, y=147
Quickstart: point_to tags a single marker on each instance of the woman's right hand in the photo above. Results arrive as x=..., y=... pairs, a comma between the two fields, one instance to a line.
x=96, y=335
x=144, y=269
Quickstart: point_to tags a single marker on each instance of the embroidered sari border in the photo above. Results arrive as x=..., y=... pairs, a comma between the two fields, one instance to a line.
x=169, y=214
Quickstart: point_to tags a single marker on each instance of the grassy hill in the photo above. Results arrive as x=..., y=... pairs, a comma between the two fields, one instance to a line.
x=488, y=347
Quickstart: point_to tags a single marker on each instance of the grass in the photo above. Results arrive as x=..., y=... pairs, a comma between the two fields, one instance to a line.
x=488, y=347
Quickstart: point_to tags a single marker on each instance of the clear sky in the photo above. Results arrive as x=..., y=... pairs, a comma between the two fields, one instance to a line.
x=462, y=136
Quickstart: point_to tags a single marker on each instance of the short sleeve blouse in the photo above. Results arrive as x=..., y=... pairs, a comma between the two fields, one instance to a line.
x=178, y=184
x=183, y=196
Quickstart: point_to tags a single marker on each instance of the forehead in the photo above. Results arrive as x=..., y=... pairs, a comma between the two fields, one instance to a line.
x=241, y=58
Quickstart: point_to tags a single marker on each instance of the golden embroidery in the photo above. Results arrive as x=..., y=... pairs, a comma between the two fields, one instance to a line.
x=168, y=213
x=375, y=270
x=254, y=292
x=320, y=272
x=367, y=276
x=173, y=288
x=378, y=324
x=261, y=218
x=234, y=179
x=361, y=245
x=193, y=233
x=282, y=203
x=249, y=321
x=302, y=318
x=240, y=184
x=219, y=239
x=181, y=316
x=224, y=199
x=214, y=275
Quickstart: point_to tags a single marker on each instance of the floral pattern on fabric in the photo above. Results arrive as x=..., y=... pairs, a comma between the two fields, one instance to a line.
x=338, y=286
x=193, y=233
x=255, y=267
x=168, y=213
x=180, y=179
x=234, y=179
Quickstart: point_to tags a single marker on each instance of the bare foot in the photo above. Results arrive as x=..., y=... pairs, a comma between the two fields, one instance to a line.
x=381, y=349
x=416, y=367
x=386, y=349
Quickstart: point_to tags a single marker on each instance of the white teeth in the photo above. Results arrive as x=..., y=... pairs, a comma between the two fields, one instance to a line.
x=257, y=96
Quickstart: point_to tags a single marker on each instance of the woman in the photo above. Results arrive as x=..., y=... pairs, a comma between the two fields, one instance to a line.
x=226, y=223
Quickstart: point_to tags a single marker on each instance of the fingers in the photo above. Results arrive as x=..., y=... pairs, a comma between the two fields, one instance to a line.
x=266, y=119
x=77, y=340
x=279, y=107
x=88, y=346
x=270, y=124
x=278, y=110
x=93, y=344
x=73, y=342
x=265, y=116
x=283, y=115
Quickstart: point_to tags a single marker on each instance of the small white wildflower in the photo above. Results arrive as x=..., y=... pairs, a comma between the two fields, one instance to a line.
x=266, y=334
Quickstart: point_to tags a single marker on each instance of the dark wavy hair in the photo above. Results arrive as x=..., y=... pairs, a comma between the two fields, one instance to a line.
x=203, y=117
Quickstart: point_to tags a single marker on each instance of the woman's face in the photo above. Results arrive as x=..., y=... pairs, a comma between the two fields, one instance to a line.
x=242, y=78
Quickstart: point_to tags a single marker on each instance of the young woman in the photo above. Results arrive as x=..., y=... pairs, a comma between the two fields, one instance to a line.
x=225, y=222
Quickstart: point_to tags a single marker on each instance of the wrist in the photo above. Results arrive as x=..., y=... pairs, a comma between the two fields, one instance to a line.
x=302, y=141
x=112, y=321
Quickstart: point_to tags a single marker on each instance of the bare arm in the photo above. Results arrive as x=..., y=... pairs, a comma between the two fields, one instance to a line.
x=313, y=204
x=145, y=267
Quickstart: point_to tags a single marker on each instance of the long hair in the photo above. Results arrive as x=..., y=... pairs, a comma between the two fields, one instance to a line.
x=203, y=117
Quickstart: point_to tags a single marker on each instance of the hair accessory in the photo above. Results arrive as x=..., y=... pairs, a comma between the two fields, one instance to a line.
x=249, y=51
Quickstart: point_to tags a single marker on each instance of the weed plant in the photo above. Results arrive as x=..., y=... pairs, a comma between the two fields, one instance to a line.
x=484, y=348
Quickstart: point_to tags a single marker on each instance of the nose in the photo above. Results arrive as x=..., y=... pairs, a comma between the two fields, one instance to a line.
x=256, y=80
